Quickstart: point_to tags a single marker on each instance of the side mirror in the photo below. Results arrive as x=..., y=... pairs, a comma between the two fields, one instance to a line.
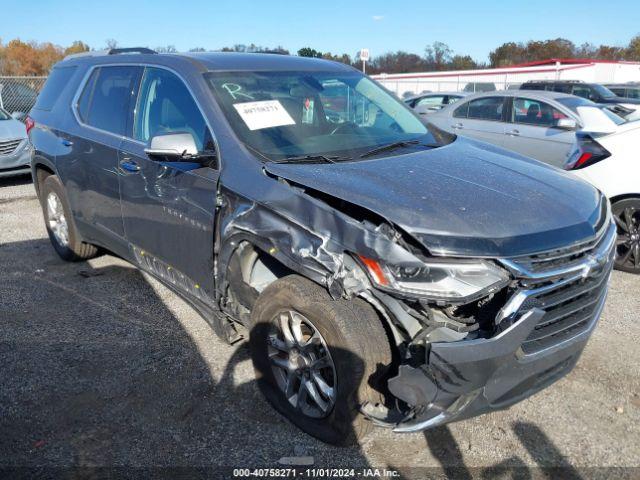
x=176, y=146
x=566, y=124
x=18, y=116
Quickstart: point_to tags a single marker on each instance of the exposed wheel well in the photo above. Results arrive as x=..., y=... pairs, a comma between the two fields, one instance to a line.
x=250, y=271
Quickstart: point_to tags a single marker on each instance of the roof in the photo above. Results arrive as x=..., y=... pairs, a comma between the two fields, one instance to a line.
x=217, y=61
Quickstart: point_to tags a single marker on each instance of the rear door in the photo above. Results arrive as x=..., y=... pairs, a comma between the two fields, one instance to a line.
x=532, y=131
x=92, y=144
x=481, y=118
x=168, y=208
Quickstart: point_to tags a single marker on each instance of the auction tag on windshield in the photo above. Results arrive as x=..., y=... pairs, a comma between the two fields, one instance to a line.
x=265, y=114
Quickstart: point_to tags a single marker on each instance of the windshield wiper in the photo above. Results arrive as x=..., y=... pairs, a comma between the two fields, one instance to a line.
x=394, y=145
x=310, y=159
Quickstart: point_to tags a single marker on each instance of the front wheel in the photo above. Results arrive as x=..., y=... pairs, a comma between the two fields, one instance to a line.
x=627, y=216
x=317, y=359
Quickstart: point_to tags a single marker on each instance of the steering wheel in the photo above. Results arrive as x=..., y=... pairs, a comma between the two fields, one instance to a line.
x=344, y=128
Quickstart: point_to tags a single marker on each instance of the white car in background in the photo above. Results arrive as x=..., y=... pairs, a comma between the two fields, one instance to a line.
x=15, y=149
x=606, y=155
x=537, y=124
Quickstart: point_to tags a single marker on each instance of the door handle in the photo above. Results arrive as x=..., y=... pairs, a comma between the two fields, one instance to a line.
x=129, y=165
x=513, y=133
x=457, y=126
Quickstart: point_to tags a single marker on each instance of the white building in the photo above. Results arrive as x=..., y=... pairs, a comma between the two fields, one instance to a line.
x=587, y=70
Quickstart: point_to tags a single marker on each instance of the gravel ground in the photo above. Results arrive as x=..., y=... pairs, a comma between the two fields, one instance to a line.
x=102, y=366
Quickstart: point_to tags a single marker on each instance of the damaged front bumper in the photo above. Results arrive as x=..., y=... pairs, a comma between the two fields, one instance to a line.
x=551, y=324
x=465, y=379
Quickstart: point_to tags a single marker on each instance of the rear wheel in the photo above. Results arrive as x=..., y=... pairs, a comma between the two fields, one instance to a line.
x=317, y=359
x=627, y=216
x=60, y=225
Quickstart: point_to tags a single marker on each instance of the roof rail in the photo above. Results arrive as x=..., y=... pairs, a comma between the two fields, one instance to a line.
x=118, y=51
x=554, y=81
x=113, y=51
x=90, y=53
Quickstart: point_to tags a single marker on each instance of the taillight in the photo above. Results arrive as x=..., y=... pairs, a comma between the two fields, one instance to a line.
x=588, y=152
x=29, y=124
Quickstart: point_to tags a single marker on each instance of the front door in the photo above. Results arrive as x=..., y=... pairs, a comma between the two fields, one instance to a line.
x=532, y=131
x=168, y=208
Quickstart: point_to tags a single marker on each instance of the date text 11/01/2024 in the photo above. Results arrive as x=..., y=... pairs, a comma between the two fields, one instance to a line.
x=315, y=473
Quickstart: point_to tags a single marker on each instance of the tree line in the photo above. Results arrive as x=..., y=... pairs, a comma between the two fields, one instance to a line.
x=18, y=57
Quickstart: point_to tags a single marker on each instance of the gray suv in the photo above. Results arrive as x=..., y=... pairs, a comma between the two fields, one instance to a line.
x=384, y=272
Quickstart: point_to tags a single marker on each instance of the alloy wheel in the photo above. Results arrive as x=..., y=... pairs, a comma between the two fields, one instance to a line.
x=627, y=218
x=57, y=220
x=302, y=365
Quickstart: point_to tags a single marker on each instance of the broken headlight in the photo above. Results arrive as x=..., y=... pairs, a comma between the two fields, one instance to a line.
x=455, y=281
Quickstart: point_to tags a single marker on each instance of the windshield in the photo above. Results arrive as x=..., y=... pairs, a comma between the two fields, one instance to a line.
x=300, y=114
x=604, y=92
x=574, y=102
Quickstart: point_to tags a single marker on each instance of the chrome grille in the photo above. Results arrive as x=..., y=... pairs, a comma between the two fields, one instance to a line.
x=571, y=293
x=9, y=146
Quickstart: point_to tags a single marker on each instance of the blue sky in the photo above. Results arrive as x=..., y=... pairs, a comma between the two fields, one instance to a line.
x=467, y=26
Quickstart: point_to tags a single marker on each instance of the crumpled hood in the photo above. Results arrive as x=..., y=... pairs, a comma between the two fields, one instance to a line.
x=467, y=198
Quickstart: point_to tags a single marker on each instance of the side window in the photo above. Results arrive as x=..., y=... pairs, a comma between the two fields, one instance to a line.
x=87, y=94
x=534, y=112
x=618, y=91
x=108, y=98
x=462, y=111
x=165, y=105
x=562, y=87
x=532, y=86
x=57, y=81
x=486, y=108
x=452, y=99
x=582, y=91
x=633, y=93
x=433, y=100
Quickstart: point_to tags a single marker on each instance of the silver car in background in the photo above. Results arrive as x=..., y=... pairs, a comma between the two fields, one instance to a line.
x=538, y=124
x=427, y=103
x=15, y=149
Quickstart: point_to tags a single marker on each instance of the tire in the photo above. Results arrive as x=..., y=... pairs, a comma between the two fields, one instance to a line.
x=627, y=216
x=73, y=249
x=357, y=345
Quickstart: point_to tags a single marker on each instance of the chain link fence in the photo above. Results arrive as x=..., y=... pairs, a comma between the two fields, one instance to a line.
x=18, y=94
